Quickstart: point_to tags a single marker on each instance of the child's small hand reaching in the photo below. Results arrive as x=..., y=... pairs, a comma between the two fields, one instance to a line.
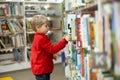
x=68, y=38
x=55, y=56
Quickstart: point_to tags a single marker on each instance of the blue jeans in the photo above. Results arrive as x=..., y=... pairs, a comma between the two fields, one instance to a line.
x=43, y=77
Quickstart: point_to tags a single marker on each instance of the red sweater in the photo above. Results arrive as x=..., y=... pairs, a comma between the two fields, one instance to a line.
x=42, y=53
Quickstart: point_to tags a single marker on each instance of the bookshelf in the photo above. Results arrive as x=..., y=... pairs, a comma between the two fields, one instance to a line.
x=94, y=33
x=16, y=33
x=12, y=36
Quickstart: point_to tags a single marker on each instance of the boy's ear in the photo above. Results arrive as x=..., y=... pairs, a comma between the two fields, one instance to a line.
x=37, y=27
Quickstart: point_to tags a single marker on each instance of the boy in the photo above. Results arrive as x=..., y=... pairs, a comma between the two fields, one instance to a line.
x=42, y=50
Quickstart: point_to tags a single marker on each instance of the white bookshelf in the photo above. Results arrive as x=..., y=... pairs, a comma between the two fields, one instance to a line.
x=101, y=9
x=25, y=63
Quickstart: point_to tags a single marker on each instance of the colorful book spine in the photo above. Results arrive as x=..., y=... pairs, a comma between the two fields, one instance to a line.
x=116, y=7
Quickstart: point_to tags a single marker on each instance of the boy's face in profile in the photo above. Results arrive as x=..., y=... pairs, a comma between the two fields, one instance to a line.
x=43, y=28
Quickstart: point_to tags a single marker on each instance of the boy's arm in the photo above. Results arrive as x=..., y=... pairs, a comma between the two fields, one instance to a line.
x=46, y=45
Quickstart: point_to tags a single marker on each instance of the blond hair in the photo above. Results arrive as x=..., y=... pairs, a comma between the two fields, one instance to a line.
x=38, y=20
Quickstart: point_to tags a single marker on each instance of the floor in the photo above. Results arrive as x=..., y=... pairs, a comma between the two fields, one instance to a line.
x=58, y=74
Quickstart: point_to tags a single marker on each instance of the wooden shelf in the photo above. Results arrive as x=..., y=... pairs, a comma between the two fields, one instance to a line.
x=20, y=47
x=41, y=2
x=89, y=6
x=54, y=29
x=30, y=32
x=11, y=17
x=7, y=62
x=28, y=47
x=106, y=1
x=11, y=48
x=7, y=59
x=6, y=34
x=28, y=10
x=46, y=16
x=9, y=33
x=11, y=1
x=7, y=49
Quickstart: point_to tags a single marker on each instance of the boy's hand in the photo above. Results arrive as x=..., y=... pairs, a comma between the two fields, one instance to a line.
x=68, y=38
x=55, y=56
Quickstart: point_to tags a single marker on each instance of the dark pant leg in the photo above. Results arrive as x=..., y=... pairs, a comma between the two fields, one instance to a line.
x=43, y=77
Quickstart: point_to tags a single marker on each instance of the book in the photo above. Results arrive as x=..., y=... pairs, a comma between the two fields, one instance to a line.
x=2, y=45
x=9, y=26
x=116, y=8
x=17, y=55
x=0, y=27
